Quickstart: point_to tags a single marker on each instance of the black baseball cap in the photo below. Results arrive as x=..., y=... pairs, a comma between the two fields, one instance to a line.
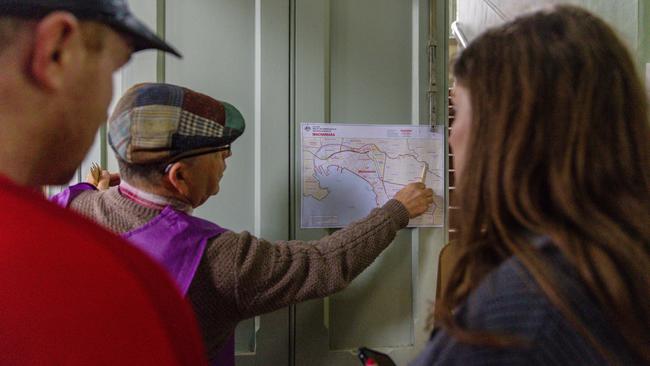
x=114, y=13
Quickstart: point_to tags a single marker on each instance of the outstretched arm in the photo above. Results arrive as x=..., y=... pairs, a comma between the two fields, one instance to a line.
x=264, y=276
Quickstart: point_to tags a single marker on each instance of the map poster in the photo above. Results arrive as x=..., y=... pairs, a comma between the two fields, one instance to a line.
x=348, y=170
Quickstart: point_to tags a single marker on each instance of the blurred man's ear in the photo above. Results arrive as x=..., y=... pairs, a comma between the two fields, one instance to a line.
x=56, y=50
x=177, y=176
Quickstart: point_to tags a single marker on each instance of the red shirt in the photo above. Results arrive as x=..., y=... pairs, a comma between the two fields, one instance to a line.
x=72, y=293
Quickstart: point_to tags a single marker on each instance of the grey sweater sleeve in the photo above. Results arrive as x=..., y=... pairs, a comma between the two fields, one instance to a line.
x=261, y=276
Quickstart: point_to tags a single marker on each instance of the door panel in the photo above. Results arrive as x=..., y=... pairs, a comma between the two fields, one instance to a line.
x=365, y=61
x=376, y=310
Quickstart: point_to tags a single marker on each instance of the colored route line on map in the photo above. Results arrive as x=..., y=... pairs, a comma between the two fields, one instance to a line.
x=366, y=150
x=359, y=151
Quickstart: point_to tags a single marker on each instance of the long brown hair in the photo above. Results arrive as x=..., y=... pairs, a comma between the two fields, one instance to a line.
x=558, y=146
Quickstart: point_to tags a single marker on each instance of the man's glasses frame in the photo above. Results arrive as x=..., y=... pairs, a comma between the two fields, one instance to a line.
x=216, y=149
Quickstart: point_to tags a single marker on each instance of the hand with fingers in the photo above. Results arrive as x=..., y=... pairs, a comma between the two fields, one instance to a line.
x=102, y=179
x=416, y=197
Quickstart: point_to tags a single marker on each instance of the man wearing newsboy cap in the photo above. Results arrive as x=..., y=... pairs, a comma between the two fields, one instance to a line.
x=172, y=144
x=72, y=293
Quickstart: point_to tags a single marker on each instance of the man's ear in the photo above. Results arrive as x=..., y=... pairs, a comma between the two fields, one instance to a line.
x=57, y=42
x=177, y=176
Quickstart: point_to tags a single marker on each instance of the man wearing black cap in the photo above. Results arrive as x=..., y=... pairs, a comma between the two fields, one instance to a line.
x=70, y=292
x=172, y=144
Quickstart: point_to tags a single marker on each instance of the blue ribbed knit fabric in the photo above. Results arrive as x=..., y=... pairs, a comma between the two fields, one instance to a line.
x=509, y=301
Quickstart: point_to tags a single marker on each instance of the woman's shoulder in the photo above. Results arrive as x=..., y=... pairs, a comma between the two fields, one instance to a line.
x=507, y=298
x=510, y=301
x=509, y=294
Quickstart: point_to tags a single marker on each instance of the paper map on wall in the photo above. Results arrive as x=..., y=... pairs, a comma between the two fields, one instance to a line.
x=347, y=170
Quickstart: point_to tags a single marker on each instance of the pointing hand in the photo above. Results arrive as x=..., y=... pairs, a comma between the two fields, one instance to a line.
x=416, y=197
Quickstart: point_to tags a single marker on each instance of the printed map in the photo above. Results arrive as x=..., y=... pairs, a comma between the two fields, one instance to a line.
x=347, y=170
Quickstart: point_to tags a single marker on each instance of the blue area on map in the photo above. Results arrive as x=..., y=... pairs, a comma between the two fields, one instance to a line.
x=350, y=198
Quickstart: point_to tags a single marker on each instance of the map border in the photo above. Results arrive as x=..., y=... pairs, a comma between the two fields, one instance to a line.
x=302, y=180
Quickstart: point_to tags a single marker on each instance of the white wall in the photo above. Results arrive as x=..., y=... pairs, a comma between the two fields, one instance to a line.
x=475, y=16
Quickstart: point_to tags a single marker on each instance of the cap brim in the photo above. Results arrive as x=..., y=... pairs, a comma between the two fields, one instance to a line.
x=143, y=38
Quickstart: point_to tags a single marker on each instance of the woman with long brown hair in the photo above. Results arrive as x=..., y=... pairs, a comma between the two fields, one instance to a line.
x=551, y=148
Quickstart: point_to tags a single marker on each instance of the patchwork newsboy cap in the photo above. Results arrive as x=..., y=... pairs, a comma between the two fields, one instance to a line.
x=158, y=123
x=114, y=13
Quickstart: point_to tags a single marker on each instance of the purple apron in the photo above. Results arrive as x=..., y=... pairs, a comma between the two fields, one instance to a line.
x=64, y=198
x=171, y=240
